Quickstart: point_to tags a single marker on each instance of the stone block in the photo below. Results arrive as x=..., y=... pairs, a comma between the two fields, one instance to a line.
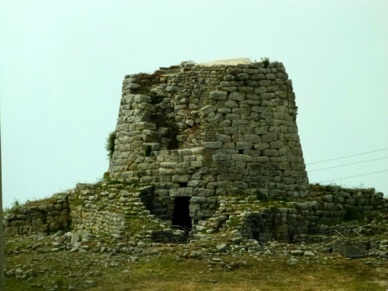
x=236, y=96
x=195, y=183
x=224, y=110
x=145, y=125
x=252, y=99
x=240, y=165
x=252, y=153
x=203, y=192
x=231, y=104
x=269, y=137
x=172, y=88
x=277, y=144
x=229, y=88
x=180, y=178
x=264, y=82
x=149, y=135
x=146, y=179
x=271, y=153
x=240, y=122
x=139, y=98
x=196, y=164
x=166, y=171
x=253, y=138
x=243, y=76
x=242, y=158
x=243, y=111
x=206, y=110
x=271, y=76
x=261, y=89
x=198, y=199
x=169, y=165
x=215, y=117
x=230, y=130
x=218, y=95
x=212, y=145
x=246, y=89
x=243, y=145
x=232, y=116
x=229, y=77
x=229, y=145
x=223, y=137
x=221, y=157
x=146, y=106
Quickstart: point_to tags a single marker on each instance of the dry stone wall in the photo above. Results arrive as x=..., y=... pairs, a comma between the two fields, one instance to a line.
x=123, y=210
x=282, y=220
x=48, y=215
x=104, y=207
x=201, y=132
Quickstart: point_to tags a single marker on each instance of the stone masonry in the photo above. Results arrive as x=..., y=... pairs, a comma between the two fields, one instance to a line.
x=207, y=131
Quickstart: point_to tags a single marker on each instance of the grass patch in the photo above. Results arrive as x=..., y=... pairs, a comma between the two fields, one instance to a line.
x=166, y=273
x=161, y=269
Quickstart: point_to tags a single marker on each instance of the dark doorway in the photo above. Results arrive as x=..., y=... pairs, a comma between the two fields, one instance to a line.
x=181, y=215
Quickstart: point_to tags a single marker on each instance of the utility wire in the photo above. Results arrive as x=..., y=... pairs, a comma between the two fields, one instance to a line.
x=360, y=154
x=355, y=176
x=348, y=164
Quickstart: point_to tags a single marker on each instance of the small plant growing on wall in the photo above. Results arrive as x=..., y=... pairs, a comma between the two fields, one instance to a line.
x=110, y=144
x=16, y=203
x=265, y=62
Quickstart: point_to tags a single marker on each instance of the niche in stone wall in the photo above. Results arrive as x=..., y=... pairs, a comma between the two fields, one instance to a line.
x=257, y=227
x=172, y=134
x=168, y=130
x=159, y=204
x=181, y=215
x=147, y=196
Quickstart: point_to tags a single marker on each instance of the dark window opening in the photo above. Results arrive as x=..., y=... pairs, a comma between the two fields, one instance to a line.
x=174, y=143
x=172, y=133
x=240, y=151
x=183, y=184
x=181, y=215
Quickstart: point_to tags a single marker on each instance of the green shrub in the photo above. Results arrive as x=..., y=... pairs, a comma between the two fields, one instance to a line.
x=265, y=62
x=16, y=203
x=110, y=144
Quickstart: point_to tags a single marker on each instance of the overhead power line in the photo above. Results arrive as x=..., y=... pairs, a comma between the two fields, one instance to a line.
x=344, y=157
x=366, y=174
x=348, y=164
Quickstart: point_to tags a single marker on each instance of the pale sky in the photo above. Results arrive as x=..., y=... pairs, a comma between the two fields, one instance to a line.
x=62, y=64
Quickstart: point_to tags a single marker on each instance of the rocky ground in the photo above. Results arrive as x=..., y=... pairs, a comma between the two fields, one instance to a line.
x=78, y=260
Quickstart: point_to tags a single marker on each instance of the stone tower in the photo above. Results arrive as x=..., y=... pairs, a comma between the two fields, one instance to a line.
x=202, y=152
x=197, y=133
